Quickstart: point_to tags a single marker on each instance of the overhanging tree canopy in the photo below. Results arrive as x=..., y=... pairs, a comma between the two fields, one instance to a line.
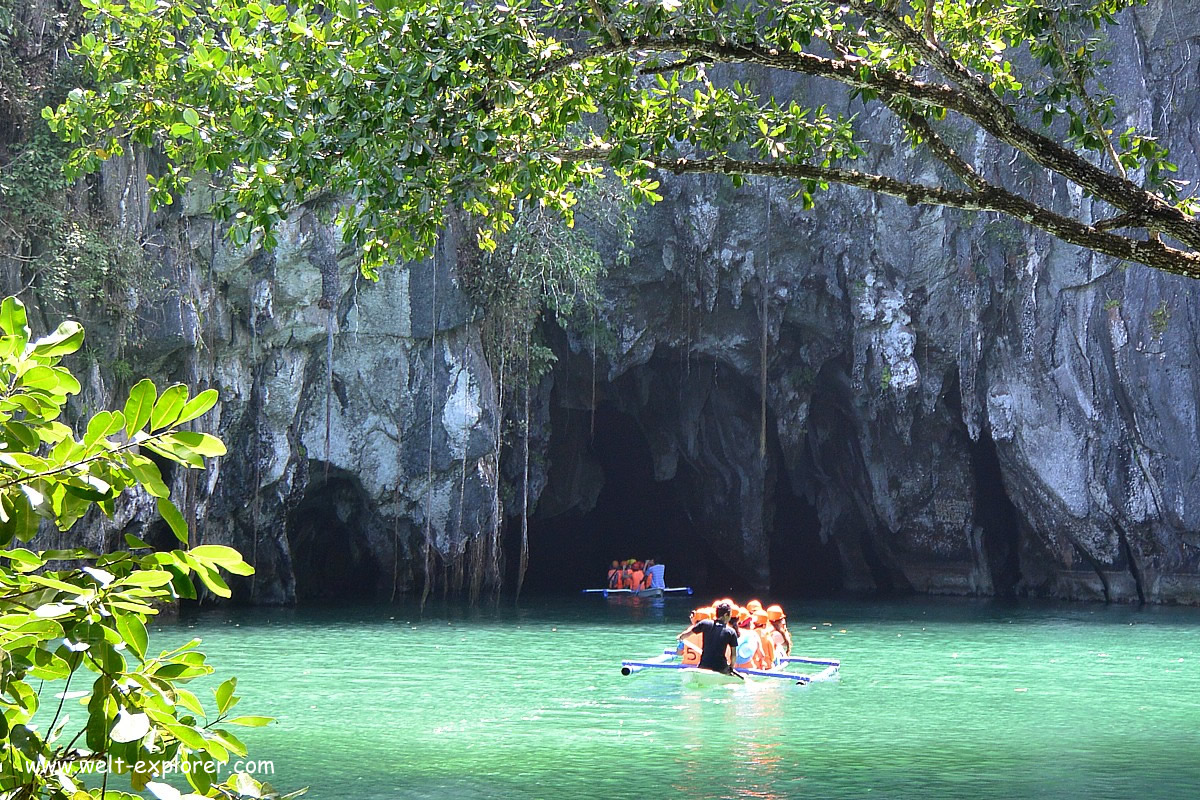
x=411, y=107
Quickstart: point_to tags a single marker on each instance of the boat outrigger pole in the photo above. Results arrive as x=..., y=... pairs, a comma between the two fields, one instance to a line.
x=641, y=592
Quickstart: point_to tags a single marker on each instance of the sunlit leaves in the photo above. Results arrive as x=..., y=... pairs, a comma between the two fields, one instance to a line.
x=74, y=619
x=400, y=112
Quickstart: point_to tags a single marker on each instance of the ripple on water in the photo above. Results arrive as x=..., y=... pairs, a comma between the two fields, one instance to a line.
x=936, y=700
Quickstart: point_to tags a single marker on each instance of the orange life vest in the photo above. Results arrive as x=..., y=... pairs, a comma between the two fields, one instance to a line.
x=766, y=648
x=635, y=581
x=613, y=575
x=692, y=645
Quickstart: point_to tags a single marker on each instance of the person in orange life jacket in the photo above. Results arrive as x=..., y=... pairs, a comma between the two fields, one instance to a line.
x=743, y=617
x=766, y=648
x=690, y=652
x=636, y=576
x=778, y=621
x=614, y=575
x=719, y=641
x=626, y=576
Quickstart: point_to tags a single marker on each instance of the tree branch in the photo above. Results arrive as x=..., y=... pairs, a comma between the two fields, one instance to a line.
x=992, y=198
x=999, y=120
x=859, y=75
x=673, y=66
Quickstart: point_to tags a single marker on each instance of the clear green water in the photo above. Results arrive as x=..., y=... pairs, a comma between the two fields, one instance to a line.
x=937, y=699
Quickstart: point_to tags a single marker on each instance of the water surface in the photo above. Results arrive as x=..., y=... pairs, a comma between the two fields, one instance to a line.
x=937, y=699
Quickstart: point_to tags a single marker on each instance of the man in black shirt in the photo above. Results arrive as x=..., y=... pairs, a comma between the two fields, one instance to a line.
x=719, y=643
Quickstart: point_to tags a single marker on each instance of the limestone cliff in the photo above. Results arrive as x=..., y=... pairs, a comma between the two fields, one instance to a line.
x=953, y=404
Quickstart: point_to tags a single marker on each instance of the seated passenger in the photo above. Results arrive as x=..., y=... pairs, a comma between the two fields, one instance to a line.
x=718, y=640
x=654, y=575
x=743, y=615
x=766, y=646
x=691, y=644
x=636, y=576
x=614, y=575
x=778, y=622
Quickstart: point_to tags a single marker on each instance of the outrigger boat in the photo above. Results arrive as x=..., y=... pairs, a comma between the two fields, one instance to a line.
x=640, y=592
x=782, y=670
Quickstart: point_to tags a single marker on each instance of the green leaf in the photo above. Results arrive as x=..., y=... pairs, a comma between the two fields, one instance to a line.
x=130, y=727
x=139, y=406
x=133, y=631
x=189, y=701
x=213, y=580
x=13, y=320
x=197, y=406
x=168, y=407
x=224, y=693
x=147, y=474
x=39, y=377
x=230, y=742
x=66, y=339
x=250, y=722
x=204, y=444
x=26, y=561
x=199, y=777
x=222, y=556
x=173, y=518
x=62, y=586
x=97, y=427
x=146, y=577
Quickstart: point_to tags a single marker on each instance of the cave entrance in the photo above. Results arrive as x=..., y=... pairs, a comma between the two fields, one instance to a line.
x=801, y=564
x=996, y=515
x=634, y=515
x=332, y=559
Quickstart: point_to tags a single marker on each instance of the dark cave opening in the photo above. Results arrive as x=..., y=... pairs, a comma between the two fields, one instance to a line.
x=801, y=564
x=634, y=516
x=331, y=556
x=996, y=515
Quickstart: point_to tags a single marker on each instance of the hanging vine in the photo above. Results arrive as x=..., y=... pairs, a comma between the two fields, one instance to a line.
x=541, y=273
x=764, y=283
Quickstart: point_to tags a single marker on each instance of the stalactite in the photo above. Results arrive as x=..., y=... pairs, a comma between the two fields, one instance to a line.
x=592, y=427
x=328, y=386
x=256, y=452
x=765, y=310
x=524, y=564
x=399, y=500
x=494, y=550
x=460, y=540
x=475, y=548
x=429, y=476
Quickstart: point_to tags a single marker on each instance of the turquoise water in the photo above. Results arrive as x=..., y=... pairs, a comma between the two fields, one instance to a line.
x=937, y=699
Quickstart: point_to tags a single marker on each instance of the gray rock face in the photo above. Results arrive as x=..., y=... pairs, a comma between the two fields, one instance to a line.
x=972, y=408
x=966, y=407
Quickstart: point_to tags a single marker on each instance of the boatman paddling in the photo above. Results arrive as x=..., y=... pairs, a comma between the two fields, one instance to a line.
x=719, y=643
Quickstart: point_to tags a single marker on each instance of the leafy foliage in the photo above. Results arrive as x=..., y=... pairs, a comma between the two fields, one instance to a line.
x=75, y=618
x=75, y=263
x=413, y=107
